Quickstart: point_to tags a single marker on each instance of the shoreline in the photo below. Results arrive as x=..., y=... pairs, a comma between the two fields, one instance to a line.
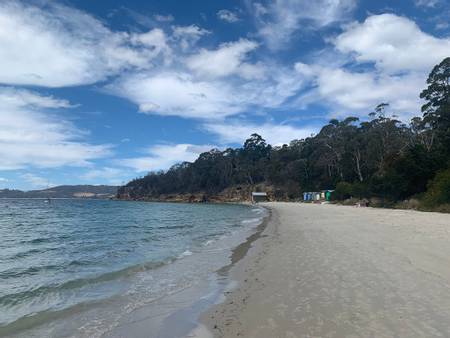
x=241, y=258
x=339, y=271
x=178, y=314
x=219, y=284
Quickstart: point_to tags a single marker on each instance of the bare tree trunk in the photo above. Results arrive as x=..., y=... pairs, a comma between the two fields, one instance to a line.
x=357, y=156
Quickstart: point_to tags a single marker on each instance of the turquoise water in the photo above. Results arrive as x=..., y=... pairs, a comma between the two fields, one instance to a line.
x=61, y=258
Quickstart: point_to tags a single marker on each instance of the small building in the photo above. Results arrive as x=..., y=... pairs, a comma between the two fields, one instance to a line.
x=259, y=197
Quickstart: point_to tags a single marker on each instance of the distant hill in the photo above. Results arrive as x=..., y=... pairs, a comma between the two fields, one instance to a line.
x=64, y=191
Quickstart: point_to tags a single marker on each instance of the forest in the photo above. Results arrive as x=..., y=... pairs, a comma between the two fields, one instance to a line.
x=379, y=158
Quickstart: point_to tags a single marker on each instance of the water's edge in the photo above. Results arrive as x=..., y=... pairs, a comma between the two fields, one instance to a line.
x=186, y=319
x=220, y=283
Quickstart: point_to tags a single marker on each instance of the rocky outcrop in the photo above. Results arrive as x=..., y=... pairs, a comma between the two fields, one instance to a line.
x=238, y=193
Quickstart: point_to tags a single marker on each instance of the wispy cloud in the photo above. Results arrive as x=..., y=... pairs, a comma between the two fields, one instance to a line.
x=278, y=21
x=109, y=175
x=228, y=16
x=427, y=3
x=164, y=18
x=36, y=181
x=31, y=135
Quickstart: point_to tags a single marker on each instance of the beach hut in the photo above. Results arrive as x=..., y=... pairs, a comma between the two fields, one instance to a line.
x=259, y=197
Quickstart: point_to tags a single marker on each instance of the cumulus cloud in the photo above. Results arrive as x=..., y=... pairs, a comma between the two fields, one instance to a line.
x=179, y=94
x=388, y=60
x=31, y=136
x=393, y=43
x=347, y=92
x=161, y=157
x=227, y=15
x=57, y=46
x=186, y=95
x=279, y=20
x=275, y=134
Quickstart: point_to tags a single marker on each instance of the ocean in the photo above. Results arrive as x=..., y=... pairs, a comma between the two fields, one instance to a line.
x=95, y=268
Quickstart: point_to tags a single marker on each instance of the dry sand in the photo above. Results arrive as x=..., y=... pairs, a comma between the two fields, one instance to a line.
x=334, y=271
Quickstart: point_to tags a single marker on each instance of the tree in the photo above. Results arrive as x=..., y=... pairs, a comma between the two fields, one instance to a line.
x=436, y=110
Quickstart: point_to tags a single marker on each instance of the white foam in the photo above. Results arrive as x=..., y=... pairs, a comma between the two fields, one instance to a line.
x=185, y=254
x=209, y=242
x=252, y=221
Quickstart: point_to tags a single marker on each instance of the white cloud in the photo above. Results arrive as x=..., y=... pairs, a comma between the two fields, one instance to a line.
x=228, y=59
x=155, y=40
x=227, y=15
x=392, y=57
x=31, y=136
x=2, y=179
x=187, y=36
x=279, y=20
x=36, y=181
x=161, y=157
x=361, y=92
x=61, y=46
x=393, y=43
x=427, y=3
x=183, y=94
x=113, y=176
x=346, y=92
x=170, y=93
x=274, y=134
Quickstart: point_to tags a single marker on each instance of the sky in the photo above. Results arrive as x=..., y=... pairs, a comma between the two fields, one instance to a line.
x=101, y=92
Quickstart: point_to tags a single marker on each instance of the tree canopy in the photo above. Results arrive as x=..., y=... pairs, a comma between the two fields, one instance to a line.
x=377, y=156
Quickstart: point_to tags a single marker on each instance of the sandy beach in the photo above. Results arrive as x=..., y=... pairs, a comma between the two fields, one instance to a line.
x=335, y=271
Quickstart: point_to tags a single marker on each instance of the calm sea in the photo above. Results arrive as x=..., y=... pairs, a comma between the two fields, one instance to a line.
x=75, y=267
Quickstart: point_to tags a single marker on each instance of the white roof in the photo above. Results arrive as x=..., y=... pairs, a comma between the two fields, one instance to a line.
x=259, y=194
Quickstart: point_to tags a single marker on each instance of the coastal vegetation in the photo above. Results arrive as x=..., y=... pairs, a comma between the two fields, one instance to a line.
x=380, y=158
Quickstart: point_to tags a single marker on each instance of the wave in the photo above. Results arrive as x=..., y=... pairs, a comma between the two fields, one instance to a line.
x=30, y=252
x=15, y=298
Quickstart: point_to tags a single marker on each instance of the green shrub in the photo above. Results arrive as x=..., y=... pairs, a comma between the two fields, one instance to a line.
x=343, y=191
x=438, y=192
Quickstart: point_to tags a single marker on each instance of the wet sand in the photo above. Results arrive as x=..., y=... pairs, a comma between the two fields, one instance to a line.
x=334, y=271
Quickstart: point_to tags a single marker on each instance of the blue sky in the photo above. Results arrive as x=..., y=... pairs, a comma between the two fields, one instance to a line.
x=100, y=92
